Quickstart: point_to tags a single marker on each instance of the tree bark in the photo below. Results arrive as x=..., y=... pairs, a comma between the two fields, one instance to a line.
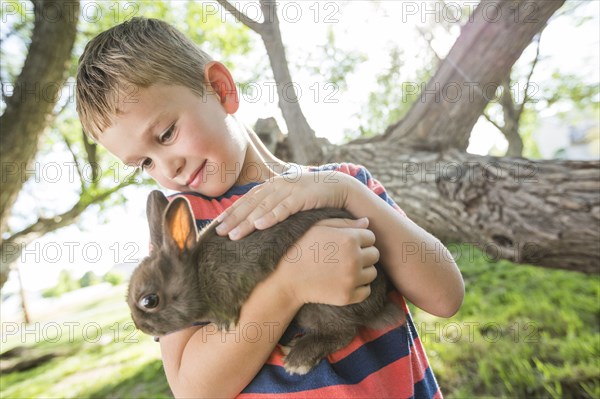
x=538, y=212
x=36, y=92
x=542, y=213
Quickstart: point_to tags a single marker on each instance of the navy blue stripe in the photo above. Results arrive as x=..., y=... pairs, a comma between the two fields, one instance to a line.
x=329, y=166
x=362, y=175
x=413, y=329
x=202, y=223
x=427, y=387
x=234, y=190
x=363, y=362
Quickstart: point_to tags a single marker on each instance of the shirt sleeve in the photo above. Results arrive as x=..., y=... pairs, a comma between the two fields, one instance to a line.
x=361, y=174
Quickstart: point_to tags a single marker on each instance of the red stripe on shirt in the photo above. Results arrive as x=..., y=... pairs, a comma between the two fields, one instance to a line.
x=370, y=387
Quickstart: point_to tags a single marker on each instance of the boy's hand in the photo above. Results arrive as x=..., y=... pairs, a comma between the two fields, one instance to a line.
x=275, y=200
x=333, y=263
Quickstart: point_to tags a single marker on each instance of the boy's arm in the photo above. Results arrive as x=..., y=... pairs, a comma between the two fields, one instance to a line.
x=202, y=362
x=420, y=266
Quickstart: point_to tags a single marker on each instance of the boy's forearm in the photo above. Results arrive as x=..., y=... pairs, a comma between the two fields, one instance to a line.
x=220, y=364
x=420, y=266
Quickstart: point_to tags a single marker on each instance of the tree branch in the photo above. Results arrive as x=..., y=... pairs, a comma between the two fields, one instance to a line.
x=240, y=16
x=46, y=225
x=489, y=119
x=26, y=116
x=91, y=150
x=70, y=148
x=508, y=103
x=521, y=106
x=479, y=60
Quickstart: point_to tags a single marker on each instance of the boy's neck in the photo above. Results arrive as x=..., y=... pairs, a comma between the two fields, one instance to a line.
x=259, y=159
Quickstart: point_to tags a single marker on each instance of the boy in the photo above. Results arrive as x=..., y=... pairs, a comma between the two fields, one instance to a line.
x=153, y=99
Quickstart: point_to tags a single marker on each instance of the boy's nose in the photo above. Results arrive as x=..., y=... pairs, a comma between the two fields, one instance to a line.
x=173, y=168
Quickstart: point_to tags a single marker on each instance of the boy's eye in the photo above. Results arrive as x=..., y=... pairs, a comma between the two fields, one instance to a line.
x=166, y=136
x=146, y=163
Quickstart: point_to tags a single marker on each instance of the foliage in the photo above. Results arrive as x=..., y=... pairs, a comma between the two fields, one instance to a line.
x=89, y=278
x=113, y=278
x=332, y=63
x=66, y=283
x=390, y=100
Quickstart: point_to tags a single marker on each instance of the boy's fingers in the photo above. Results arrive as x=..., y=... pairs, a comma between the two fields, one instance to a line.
x=248, y=209
x=236, y=216
x=367, y=238
x=369, y=255
x=278, y=213
x=360, y=294
x=242, y=207
x=367, y=275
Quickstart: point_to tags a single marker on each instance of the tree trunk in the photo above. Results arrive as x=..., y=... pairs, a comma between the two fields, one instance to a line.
x=29, y=110
x=512, y=117
x=481, y=58
x=515, y=142
x=537, y=212
x=36, y=92
x=304, y=145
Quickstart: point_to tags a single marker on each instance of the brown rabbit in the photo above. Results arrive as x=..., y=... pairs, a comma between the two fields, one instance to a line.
x=191, y=277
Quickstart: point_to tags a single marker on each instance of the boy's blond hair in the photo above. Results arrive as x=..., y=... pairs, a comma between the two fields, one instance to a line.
x=136, y=53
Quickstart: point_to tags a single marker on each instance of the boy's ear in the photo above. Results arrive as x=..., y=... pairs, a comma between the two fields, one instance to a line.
x=221, y=81
x=179, y=227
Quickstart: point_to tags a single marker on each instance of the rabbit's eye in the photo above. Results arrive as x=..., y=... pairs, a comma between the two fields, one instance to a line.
x=149, y=301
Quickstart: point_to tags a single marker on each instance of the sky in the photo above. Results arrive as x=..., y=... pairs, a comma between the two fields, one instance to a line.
x=359, y=25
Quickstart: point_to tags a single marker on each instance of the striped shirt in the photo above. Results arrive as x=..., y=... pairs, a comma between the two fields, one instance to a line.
x=388, y=363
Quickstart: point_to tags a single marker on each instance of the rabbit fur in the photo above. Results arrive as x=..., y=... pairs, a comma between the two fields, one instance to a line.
x=203, y=277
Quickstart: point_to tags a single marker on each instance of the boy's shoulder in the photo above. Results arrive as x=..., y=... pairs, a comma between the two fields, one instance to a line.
x=355, y=170
x=362, y=174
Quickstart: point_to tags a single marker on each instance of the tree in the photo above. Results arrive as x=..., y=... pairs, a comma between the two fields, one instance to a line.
x=539, y=212
x=29, y=112
x=37, y=115
x=512, y=108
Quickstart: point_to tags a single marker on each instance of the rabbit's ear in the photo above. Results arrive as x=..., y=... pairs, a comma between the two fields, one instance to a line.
x=179, y=227
x=155, y=209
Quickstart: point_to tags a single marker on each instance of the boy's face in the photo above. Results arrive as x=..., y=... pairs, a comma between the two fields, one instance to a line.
x=183, y=141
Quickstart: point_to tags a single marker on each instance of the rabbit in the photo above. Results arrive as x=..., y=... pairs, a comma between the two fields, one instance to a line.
x=203, y=277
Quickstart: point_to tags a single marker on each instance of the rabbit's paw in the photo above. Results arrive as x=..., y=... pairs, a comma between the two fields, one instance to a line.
x=226, y=326
x=226, y=323
x=301, y=369
x=299, y=359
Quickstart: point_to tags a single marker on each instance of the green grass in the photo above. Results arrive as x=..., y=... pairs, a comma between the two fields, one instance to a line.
x=101, y=355
x=522, y=331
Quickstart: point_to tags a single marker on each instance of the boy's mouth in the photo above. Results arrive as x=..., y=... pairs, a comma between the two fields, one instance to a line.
x=196, y=177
